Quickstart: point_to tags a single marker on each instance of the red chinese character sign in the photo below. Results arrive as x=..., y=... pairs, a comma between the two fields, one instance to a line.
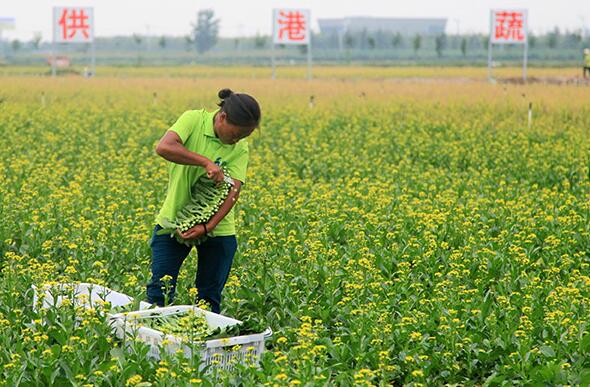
x=73, y=25
x=509, y=26
x=291, y=26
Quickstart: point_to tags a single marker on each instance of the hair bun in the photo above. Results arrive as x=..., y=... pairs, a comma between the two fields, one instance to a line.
x=224, y=93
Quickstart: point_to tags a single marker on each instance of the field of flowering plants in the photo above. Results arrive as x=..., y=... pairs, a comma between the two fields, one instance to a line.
x=392, y=233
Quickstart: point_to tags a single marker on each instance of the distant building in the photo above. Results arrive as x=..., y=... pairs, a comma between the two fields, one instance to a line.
x=404, y=26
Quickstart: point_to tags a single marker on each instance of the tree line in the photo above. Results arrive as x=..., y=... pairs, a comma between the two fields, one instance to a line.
x=204, y=37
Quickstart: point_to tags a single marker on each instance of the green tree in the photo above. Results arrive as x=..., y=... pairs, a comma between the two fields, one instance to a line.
x=138, y=39
x=188, y=42
x=259, y=41
x=553, y=38
x=417, y=43
x=532, y=40
x=36, y=41
x=162, y=42
x=397, y=40
x=464, y=46
x=440, y=42
x=573, y=38
x=16, y=45
x=206, y=30
x=348, y=40
x=371, y=42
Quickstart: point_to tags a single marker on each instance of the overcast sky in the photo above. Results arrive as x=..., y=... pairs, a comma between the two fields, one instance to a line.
x=239, y=17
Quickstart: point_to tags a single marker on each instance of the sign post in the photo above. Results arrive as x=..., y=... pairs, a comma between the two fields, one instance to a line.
x=73, y=25
x=508, y=27
x=292, y=27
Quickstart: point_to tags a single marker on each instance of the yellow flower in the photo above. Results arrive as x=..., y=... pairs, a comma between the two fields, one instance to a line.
x=415, y=336
x=161, y=372
x=281, y=376
x=134, y=380
x=282, y=340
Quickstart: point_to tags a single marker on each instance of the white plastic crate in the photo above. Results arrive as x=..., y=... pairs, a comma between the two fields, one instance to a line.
x=219, y=353
x=81, y=294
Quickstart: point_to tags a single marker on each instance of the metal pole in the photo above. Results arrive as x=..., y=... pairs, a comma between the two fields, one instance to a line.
x=490, y=49
x=272, y=44
x=93, y=50
x=526, y=44
x=525, y=60
x=53, y=59
x=309, y=59
x=53, y=69
x=93, y=47
x=490, y=60
x=272, y=59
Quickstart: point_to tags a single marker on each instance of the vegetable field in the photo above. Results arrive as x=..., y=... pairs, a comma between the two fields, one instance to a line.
x=390, y=233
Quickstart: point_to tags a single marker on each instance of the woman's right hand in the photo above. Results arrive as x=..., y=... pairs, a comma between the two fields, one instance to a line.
x=214, y=172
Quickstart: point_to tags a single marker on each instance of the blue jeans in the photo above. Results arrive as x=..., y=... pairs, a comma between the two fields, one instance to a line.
x=215, y=257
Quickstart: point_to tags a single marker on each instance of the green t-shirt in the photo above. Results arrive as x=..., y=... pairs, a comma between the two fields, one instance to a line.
x=195, y=129
x=587, y=60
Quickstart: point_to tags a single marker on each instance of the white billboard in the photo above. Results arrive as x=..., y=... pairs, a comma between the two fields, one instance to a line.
x=509, y=26
x=291, y=26
x=73, y=25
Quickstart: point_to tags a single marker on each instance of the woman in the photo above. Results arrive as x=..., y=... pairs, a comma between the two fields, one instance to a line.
x=198, y=143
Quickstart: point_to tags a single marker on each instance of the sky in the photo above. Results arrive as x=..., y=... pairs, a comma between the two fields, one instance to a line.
x=247, y=18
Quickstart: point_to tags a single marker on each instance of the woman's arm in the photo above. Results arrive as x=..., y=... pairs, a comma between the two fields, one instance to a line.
x=198, y=230
x=230, y=201
x=172, y=149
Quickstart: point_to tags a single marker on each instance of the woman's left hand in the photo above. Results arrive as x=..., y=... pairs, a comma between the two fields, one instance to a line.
x=193, y=233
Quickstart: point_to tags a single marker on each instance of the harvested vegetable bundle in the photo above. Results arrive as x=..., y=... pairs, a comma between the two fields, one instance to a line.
x=193, y=325
x=190, y=324
x=246, y=327
x=206, y=198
